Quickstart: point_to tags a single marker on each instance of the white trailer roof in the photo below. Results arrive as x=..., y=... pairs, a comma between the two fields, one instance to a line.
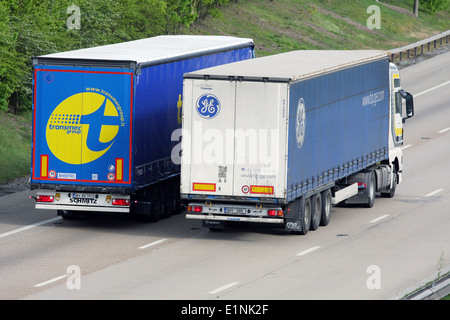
x=154, y=49
x=290, y=66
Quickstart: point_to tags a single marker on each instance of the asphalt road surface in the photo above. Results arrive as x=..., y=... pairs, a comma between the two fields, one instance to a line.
x=377, y=253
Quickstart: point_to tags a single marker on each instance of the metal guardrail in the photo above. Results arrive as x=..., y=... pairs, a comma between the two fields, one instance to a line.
x=436, y=290
x=418, y=48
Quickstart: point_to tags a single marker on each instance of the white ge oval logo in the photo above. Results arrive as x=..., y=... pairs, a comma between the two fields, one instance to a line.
x=300, y=123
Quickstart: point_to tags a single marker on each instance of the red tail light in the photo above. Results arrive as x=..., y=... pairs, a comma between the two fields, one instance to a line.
x=120, y=202
x=195, y=208
x=44, y=198
x=275, y=213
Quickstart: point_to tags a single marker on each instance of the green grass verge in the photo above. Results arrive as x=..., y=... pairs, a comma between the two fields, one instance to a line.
x=15, y=146
x=284, y=25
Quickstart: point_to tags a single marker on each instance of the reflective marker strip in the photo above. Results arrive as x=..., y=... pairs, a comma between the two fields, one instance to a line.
x=44, y=166
x=204, y=187
x=261, y=189
x=119, y=169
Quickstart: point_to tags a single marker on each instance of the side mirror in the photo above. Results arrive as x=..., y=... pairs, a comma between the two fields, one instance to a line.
x=409, y=105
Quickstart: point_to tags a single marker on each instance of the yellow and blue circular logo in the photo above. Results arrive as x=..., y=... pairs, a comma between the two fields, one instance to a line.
x=82, y=128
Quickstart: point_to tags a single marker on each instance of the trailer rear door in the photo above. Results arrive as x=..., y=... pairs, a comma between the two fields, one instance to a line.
x=82, y=125
x=260, y=139
x=234, y=138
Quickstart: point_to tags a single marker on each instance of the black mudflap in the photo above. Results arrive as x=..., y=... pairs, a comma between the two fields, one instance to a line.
x=292, y=217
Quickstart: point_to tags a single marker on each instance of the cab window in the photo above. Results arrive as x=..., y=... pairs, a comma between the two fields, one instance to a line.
x=398, y=103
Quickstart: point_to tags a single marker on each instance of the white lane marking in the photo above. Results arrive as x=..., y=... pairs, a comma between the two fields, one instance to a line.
x=305, y=252
x=51, y=280
x=431, y=89
x=435, y=192
x=152, y=244
x=29, y=227
x=223, y=287
x=406, y=147
x=444, y=130
x=379, y=218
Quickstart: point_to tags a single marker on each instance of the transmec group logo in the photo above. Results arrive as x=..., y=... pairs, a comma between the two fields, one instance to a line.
x=83, y=127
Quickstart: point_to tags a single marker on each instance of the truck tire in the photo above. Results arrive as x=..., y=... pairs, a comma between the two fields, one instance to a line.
x=169, y=198
x=326, y=207
x=316, y=211
x=305, y=215
x=166, y=202
x=155, y=211
x=371, y=186
x=391, y=192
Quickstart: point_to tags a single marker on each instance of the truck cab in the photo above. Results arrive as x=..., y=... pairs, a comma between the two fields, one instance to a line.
x=401, y=108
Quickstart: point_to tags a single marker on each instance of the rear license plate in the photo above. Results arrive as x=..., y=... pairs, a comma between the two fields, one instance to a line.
x=235, y=210
x=83, y=196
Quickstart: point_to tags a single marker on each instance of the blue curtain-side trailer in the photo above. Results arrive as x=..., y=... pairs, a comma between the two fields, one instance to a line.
x=103, y=120
x=311, y=129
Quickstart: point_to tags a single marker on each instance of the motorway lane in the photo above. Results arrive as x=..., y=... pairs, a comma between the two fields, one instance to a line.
x=256, y=262
x=33, y=256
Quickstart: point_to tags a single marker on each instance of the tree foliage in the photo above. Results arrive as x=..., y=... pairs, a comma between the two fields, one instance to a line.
x=30, y=28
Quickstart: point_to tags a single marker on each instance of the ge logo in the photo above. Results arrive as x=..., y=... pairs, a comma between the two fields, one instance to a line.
x=208, y=106
x=300, y=123
x=82, y=128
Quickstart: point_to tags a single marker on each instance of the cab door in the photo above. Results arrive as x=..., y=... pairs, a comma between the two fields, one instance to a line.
x=396, y=110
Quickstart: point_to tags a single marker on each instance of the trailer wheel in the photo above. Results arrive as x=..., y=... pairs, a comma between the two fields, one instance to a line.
x=326, y=207
x=371, y=190
x=156, y=207
x=305, y=215
x=316, y=211
x=156, y=211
